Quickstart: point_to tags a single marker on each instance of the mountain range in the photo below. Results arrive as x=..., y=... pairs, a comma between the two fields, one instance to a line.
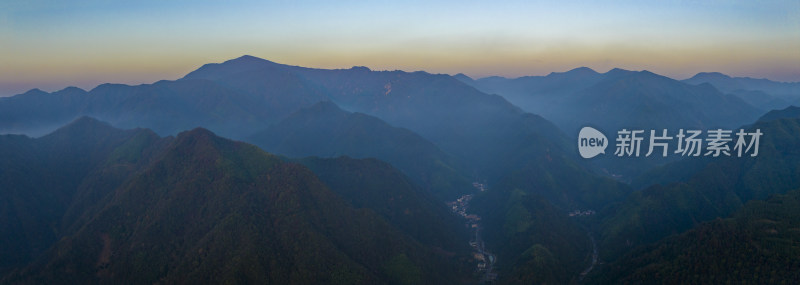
x=620, y=99
x=325, y=130
x=759, y=244
x=341, y=177
x=484, y=133
x=717, y=188
x=762, y=93
x=131, y=207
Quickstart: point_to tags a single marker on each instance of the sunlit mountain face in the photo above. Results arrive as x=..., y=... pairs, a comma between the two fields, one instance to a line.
x=399, y=143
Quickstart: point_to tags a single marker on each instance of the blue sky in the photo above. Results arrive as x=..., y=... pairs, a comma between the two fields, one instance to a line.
x=55, y=44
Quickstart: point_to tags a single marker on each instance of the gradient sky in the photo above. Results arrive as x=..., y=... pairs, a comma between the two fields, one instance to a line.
x=54, y=44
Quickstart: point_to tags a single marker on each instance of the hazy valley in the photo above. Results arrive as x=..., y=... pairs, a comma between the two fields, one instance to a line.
x=250, y=171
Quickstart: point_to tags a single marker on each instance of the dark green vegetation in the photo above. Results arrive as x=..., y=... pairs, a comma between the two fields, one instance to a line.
x=498, y=142
x=325, y=130
x=374, y=184
x=697, y=189
x=526, y=222
x=93, y=204
x=536, y=243
x=136, y=208
x=759, y=244
x=462, y=131
x=719, y=188
x=40, y=178
x=685, y=169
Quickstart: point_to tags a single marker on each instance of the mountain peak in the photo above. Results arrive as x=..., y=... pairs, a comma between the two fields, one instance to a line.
x=325, y=106
x=87, y=120
x=87, y=123
x=462, y=77
x=34, y=91
x=360, y=68
x=617, y=73
x=110, y=87
x=647, y=72
x=582, y=70
x=493, y=78
x=84, y=127
x=200, y=142
x=709, y=75
x=788, y=112
x=72, y=90
x=577, y=72
x=618, y=70
x=247, y=58
x=245, y=63
x=196, y=133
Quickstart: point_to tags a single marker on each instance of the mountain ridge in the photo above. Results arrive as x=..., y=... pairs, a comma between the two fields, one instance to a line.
x=175, y=217
x=325, y=130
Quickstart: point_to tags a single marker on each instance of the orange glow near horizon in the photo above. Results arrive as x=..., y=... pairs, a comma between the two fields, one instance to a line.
x=89, y=42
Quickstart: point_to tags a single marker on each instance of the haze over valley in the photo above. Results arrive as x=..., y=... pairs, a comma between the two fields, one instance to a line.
x=385, y=153
x=422, y=142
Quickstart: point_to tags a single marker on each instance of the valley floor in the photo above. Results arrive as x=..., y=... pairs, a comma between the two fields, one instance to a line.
x=485, y=259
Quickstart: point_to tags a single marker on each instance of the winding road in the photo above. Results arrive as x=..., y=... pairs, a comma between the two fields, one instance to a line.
x=594, y=258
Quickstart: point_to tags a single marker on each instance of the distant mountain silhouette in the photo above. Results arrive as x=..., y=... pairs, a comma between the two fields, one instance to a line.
x=761, y=100
x=621, y=99
x=369, y=157
x=727, y=83
x=166, y=106
x=538, y=94
x=497, y=142
x=462, y=77
x=772, y=95
x=485, y=132
x=242, y=96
